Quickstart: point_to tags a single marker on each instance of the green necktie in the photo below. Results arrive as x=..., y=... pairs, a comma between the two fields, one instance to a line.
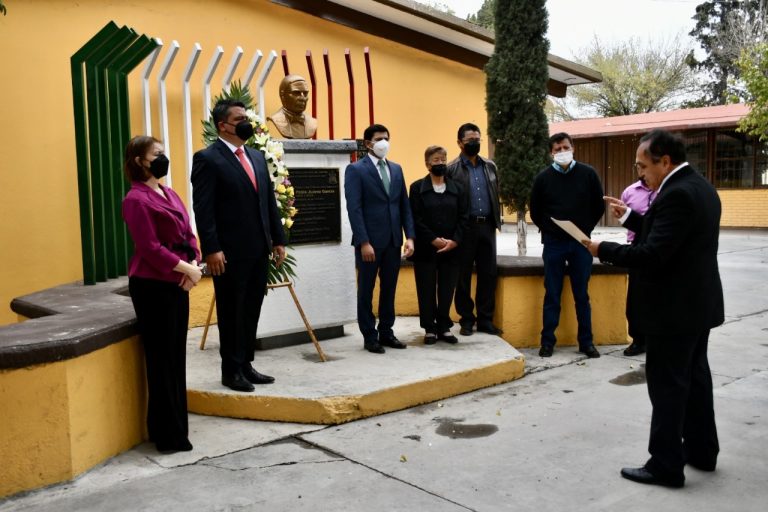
x=384, y=175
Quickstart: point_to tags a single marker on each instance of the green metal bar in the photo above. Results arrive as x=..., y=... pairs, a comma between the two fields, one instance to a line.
x=81, y=148
x=120, y=131
x=102, y=128
x=99, y=140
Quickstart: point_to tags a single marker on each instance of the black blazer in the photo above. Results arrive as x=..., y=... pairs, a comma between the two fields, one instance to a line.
x=229, y=214
x=436, y=215
x=677, y=289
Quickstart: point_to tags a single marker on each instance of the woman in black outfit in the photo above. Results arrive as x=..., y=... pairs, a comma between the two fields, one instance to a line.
x=440, y=214
x=160, y=274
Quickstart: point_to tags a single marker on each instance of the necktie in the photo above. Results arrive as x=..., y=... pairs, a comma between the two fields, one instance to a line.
x=246, y=166
x=384, y=175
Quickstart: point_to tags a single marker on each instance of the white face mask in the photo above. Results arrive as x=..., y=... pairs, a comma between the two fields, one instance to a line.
x=381, y=148
x=563, y=158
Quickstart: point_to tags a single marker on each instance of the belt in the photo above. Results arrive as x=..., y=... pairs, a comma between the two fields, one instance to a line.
x=479, y=219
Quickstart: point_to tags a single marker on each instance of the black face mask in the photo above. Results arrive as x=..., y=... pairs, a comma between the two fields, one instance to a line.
x=472, y=147
x=244, y=130
x=438, y=169
x=159, y=166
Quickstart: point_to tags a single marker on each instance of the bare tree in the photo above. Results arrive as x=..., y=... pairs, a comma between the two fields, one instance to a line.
x=637, y=77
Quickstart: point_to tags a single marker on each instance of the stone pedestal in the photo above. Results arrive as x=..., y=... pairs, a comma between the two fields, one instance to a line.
x=325, y=282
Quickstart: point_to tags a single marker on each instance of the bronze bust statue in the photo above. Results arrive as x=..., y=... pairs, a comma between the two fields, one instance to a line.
x=291, y=121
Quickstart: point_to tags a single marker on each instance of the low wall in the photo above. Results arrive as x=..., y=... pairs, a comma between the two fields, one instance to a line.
x=72, y=385
x=520, y=301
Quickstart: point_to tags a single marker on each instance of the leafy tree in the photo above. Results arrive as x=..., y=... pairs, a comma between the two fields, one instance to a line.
x=637, y=78
x=516, y=90
x=723, y=28
x=484, y=15
x=753, y=66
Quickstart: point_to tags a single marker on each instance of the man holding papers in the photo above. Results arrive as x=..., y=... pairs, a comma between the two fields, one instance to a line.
x=569, y=191
x=679, y=299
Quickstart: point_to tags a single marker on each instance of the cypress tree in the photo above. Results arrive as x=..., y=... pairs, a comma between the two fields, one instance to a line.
x=515, y=97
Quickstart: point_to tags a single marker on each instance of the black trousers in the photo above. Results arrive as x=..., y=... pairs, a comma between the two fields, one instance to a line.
x=478, y=249
x=162, y=313
x=680, y=387
x=435, y=284
x=387, y=267
x=239, y=296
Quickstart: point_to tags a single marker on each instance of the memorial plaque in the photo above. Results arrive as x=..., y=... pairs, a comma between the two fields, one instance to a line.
x=318, y=200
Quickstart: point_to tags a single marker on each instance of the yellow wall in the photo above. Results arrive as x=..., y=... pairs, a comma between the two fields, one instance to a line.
x=744, y=208
x=420, y=97
x=519, y=303
x=62, y=418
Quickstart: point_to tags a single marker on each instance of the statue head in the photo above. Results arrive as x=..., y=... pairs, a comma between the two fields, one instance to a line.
x=294, y=93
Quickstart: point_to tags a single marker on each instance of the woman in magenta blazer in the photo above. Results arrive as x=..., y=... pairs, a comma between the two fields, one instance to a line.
x=160, y=274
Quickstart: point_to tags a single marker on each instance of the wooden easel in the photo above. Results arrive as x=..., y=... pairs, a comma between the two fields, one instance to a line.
x=285, y=284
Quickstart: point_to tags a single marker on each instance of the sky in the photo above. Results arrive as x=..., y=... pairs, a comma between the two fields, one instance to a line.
x=574, y=23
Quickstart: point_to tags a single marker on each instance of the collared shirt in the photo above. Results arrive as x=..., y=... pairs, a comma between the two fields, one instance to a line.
x=638, y=197
x=479, y=194
x=624, y=217
x=375, y=161
x=231, y=146
x=234, y=148
x=564, y=171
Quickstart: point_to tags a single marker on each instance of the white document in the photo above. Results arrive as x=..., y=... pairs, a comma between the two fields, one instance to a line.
x=570, y=228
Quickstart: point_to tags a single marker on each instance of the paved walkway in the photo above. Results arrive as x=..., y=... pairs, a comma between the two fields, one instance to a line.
x=551, y=441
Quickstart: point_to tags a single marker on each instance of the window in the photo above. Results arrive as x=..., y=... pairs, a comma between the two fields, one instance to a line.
x=734, y=160
x=696, y=150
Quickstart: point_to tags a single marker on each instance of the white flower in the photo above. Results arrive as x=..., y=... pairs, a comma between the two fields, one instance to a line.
x=253, y=116
x=275, y=148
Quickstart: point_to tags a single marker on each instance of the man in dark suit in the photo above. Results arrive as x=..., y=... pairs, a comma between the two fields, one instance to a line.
x=679, y=298
x=239, y=226
x=379, y=212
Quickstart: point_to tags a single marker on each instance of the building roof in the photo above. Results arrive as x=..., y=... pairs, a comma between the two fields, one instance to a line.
x=673, y=120
x=419, y=26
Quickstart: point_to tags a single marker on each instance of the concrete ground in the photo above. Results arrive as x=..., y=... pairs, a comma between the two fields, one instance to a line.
x=553, y=440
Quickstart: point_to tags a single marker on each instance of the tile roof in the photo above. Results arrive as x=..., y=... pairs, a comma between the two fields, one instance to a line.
x=686, y=119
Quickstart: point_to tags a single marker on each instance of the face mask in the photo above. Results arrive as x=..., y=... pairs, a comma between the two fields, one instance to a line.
x=244, y=130
x=159, y=166
x=563, y=158
x=472, y=148
x=381, y=148
x=438, y=169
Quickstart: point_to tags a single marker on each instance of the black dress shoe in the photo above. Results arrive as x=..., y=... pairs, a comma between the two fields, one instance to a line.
x=374, y=348
x=175, y=446
x=430, y=338
x=644, y=476
x=591, y=352
x=489, y=329
x=634, y=350
x=255, y=377
x=393, y=343
x=545, y=351
x=448, y=338
x=701, y=466
x=237, y=381
x=466, y=330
